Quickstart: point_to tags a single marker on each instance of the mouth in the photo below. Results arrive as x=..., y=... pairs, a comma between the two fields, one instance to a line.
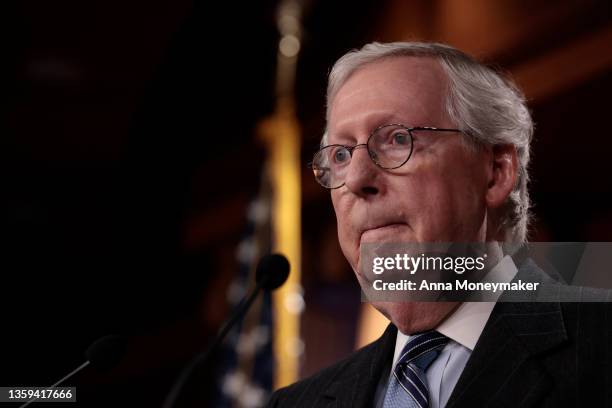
x=383, y=232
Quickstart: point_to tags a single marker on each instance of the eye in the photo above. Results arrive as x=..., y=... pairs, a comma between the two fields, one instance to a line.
x=341, y=155
x=400, y=138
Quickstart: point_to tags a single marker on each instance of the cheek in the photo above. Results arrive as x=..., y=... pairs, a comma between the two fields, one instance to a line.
x=342, y=217
x=441, y=198
x=346, y=234
x=458, y=202
x=344, y=240
x=434, y=211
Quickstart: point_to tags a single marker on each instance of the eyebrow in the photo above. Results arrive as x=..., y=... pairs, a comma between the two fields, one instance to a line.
x=383, y=119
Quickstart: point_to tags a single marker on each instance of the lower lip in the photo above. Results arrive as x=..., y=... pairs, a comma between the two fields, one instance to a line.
x=385, y=232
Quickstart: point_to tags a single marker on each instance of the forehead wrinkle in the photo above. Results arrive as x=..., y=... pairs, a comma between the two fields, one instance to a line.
x=370, y=96
x=371, y=121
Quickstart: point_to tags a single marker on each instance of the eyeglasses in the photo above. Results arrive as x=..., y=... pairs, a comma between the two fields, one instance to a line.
x=389, y=147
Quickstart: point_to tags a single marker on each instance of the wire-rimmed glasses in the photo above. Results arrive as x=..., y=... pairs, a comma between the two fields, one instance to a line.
x=389, y=146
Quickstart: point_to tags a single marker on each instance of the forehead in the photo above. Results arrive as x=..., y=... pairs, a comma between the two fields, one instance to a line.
x=410, y=90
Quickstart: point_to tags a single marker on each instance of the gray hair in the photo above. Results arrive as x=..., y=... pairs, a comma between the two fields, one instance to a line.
x=487, y=107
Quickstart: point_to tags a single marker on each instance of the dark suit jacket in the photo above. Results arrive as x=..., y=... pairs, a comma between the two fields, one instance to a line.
x=528, y=355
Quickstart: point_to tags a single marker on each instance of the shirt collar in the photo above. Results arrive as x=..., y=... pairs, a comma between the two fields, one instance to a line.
x=466, y=323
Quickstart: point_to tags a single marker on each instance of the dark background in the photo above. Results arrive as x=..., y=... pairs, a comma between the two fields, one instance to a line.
x=128, y=159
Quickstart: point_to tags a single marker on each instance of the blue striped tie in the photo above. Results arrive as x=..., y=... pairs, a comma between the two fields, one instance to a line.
x=408, y=385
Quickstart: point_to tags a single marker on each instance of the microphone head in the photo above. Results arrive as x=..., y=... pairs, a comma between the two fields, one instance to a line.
x=106, y=352
x=272, y=271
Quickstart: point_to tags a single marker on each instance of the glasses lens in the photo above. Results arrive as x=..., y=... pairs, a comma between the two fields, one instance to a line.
x=329, y=165
x=390, y=146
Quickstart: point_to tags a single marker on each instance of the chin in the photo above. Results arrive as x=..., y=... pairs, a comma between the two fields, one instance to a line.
x=415, y=317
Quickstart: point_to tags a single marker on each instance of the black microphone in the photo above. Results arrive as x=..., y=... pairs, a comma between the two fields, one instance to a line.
x=102, y=354
x=272, y=271
x=106, y=352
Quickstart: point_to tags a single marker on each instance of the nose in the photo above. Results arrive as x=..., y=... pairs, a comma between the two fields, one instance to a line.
x=363, y=176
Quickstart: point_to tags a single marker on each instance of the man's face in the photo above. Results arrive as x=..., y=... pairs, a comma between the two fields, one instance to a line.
x=437, y=196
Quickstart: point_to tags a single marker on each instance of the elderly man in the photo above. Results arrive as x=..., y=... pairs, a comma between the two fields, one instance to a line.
x=424, y=144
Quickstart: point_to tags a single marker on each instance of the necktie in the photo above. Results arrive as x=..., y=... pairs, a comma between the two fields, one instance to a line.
x=407, y=384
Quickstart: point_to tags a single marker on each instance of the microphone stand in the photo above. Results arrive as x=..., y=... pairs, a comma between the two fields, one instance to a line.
x=180, y=382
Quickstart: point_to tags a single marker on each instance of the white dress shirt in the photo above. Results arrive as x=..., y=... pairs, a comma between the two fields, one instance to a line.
x=463, y=328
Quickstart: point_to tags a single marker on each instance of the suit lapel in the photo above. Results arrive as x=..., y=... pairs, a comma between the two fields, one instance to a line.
x=357, y=390
x=500, y=371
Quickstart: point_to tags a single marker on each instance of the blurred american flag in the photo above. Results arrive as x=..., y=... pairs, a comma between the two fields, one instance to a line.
x=246, y=364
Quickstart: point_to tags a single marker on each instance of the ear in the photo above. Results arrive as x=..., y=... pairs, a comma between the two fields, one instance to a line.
x=503, y=175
